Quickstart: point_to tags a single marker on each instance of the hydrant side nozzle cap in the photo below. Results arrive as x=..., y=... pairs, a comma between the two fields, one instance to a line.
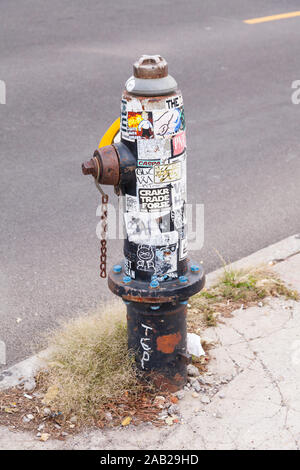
x=90, y=168
x=150, y=66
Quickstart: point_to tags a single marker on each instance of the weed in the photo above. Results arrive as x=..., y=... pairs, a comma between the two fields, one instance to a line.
x=234, y=289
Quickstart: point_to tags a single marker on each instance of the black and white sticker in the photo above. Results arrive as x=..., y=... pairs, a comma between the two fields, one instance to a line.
x=168, y=123
x=141, y=227
x=182, y=248
x=132, y=204
x=174, y=102
x=145, y=258
x=154, y=199
x=128, y=268
x=144, y=177
x=165, y=259
x=154, y=149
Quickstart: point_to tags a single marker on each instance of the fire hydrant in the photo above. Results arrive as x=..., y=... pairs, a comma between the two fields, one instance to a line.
x=148, y=167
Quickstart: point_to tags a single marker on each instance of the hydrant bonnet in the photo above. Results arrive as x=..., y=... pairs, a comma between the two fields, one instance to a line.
x=150, y=77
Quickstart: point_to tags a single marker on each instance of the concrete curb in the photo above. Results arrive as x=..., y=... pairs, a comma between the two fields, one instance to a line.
x=273, y=253
x=25, y=371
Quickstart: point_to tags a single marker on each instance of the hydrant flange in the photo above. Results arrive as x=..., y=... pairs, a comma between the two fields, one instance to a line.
x=171, y=291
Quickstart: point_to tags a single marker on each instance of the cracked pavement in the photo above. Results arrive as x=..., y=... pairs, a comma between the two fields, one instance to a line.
x=254, y=395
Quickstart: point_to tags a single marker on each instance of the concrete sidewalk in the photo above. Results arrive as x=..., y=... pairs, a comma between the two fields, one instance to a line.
x=252, y=388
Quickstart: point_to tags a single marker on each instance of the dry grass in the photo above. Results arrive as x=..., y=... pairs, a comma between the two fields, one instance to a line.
x=90, y=364
x=234, y=289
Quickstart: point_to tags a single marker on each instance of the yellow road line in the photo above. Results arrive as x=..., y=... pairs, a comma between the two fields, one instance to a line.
x=264, y=19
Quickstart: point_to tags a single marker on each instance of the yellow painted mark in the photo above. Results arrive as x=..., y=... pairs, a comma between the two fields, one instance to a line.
x=110, y=134
x=264, y=19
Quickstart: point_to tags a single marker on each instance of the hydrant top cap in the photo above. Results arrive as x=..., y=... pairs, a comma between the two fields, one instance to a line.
x=150, y=77
x=150, y=66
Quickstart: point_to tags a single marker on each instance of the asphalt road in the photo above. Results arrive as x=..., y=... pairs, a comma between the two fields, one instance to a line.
x=64, y=64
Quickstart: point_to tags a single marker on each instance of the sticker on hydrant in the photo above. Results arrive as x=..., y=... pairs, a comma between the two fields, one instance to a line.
x=155, y=216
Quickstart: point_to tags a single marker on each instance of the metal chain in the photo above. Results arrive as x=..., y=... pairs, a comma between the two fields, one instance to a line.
x=103, y=243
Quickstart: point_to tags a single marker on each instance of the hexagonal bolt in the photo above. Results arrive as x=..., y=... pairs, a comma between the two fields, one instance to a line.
x=90, y=168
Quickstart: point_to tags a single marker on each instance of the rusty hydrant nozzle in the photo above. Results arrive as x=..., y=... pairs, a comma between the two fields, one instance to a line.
x=90, y=168
x=104, y=166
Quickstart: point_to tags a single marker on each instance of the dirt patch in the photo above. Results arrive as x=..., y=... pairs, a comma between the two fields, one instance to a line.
x=20, y=411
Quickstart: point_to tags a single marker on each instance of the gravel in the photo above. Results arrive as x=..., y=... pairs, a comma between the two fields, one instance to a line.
x=180, y=394
x=173, y=410
x=192, y=371
x=205, y=400
x=196, y=386
x=29, y=385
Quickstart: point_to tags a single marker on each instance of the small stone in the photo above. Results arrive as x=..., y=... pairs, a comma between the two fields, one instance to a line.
x=180, y=394
x=196, y=386
x=205, y=380
x=108, y=416
x=225, y=380
x=73, y=419
x=218, y=415
x=260, y=304
x=29, y=385
x=173, y=410
x=192, y=371
x=221, y=395
x=44, y=437
x=186, y=388
x=205, y=400
x=195, y=395
x=28, y=418
x=64, y=434
x=159, y=402
x=173, y=399
x=41, y=427
x=160, y=398
x=46, y=412
x=169, y=421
